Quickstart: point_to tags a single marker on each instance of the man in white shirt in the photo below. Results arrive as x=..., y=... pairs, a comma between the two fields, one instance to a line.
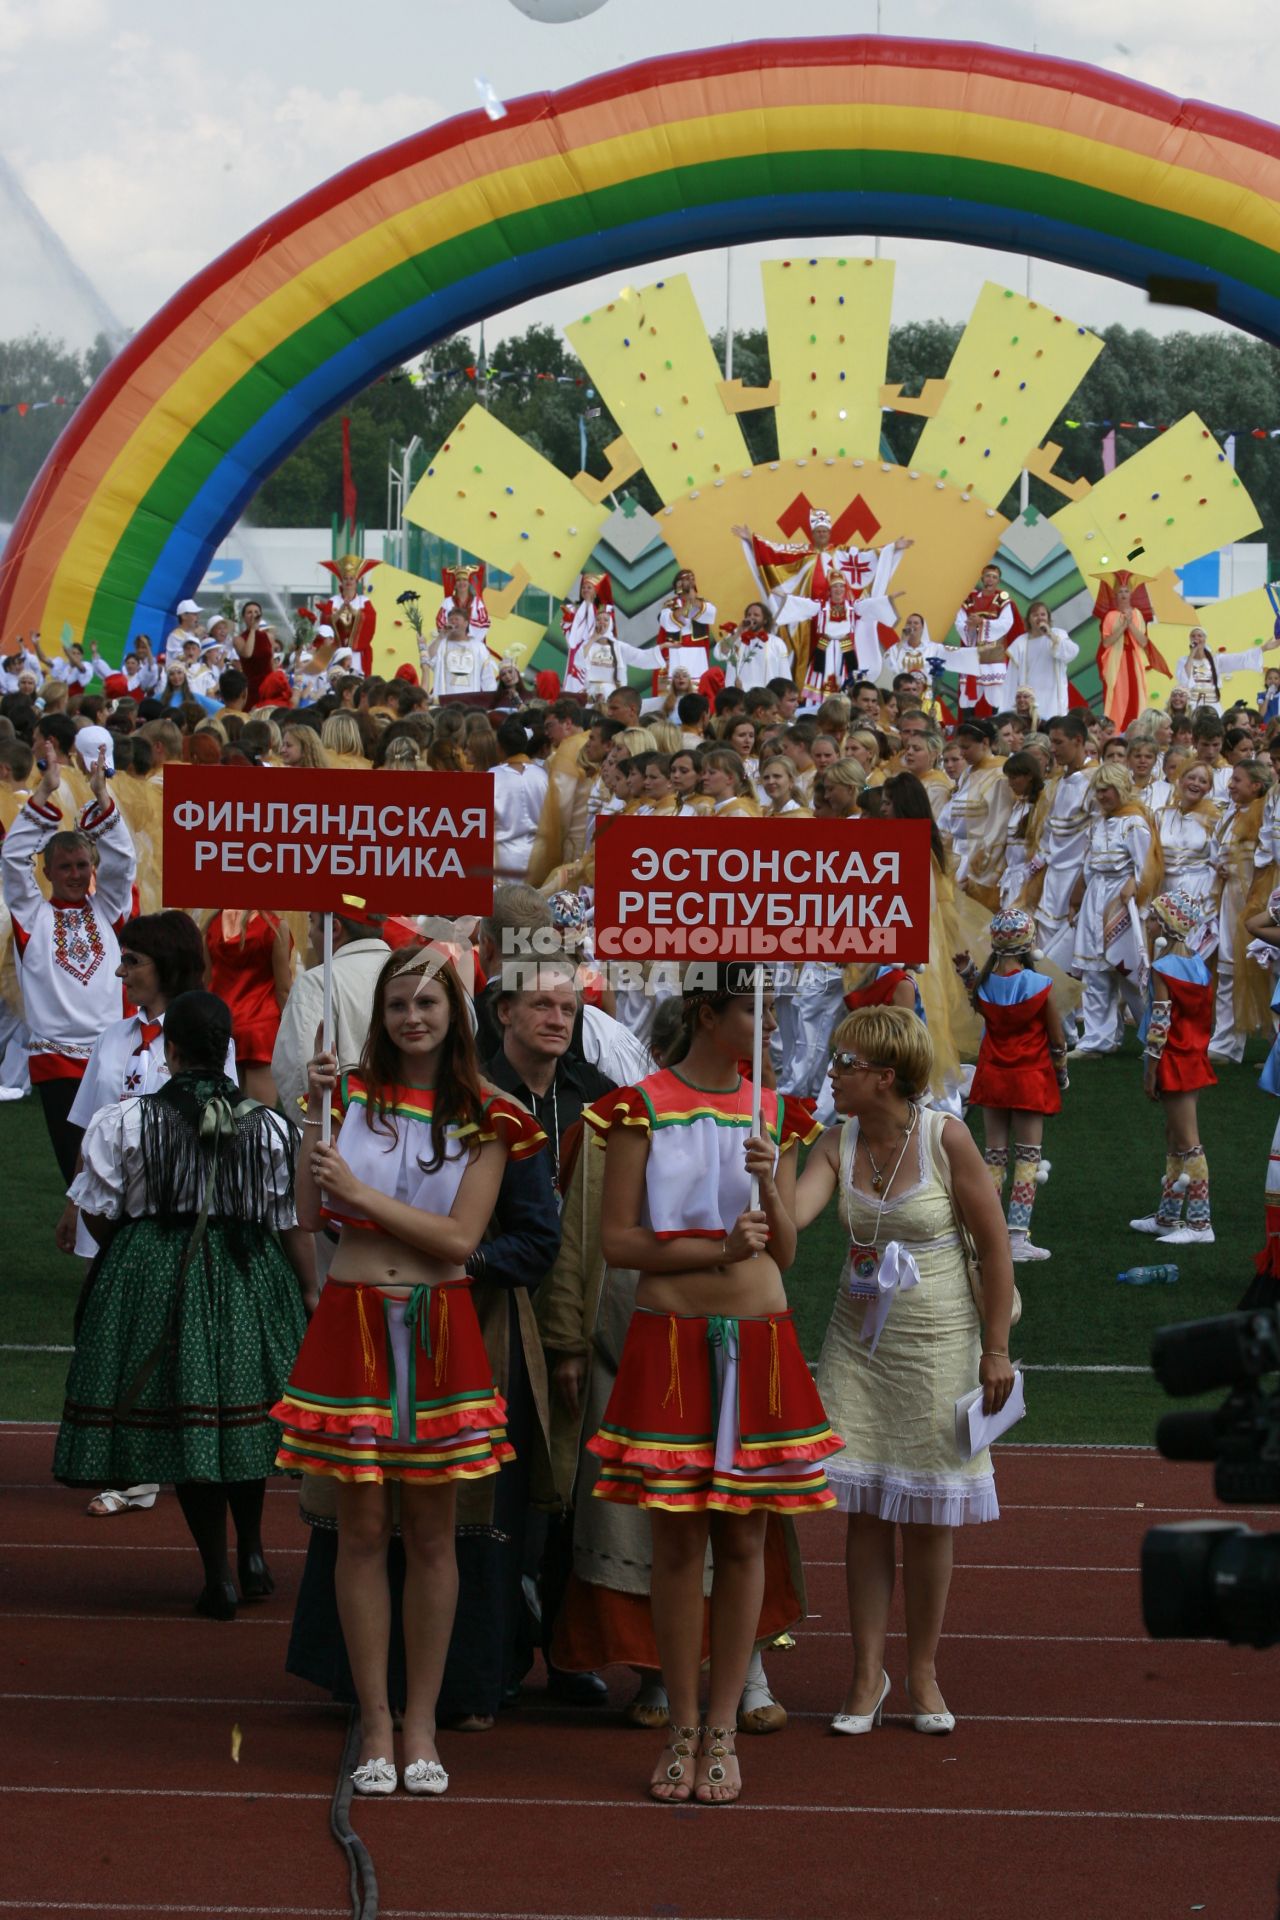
x=458, y=660
x=73, y=669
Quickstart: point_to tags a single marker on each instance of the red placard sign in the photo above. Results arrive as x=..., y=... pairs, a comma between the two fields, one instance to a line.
x=689, y=887
x=302, y=839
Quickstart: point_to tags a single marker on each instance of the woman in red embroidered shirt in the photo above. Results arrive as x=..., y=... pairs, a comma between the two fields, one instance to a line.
x=392, y=1382
x=713, y=1421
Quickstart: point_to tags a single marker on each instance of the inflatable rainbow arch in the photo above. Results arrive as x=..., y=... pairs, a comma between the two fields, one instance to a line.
x=928, y=138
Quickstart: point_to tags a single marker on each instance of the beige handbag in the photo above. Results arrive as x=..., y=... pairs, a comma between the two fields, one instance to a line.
x=972, y=1261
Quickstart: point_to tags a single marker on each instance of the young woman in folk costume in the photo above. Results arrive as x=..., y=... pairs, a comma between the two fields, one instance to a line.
x=1187, y=824
x=1120, y=874
x=1176, y=1066
x=713, y=1421
x=392, y=1382
x=1022, y=1067
x=999, y=863
x=1242, y=994
x=597, y=660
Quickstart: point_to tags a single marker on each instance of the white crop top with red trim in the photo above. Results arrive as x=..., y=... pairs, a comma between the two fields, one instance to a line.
x=390, y=1154
x=696, y=1179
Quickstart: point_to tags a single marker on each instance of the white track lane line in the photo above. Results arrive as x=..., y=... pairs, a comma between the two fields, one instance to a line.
x=331, y=1706
x=639, y=1803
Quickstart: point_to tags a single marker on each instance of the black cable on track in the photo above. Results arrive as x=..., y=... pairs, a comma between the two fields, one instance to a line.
x=360, y=1868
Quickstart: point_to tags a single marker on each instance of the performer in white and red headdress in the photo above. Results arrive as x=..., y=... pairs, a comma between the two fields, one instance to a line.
x=351, y=613
x=798, y=571
x=598, y=660
x=985, y=625
x=464, y=589
x=685, y=626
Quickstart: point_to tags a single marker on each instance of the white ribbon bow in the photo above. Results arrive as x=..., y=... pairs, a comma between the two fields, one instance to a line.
x=897, y=1270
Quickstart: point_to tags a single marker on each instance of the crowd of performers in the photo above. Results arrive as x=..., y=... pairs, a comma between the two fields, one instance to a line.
x=521, y=1324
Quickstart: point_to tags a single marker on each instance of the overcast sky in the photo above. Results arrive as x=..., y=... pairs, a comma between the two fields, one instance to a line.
x=149, y=136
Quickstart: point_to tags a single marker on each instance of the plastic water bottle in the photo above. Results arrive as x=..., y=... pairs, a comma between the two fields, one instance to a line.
x=1148, y=1277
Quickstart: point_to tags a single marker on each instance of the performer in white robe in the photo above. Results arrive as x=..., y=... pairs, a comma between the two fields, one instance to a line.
x=844, y=632
x=912, y=651
x=464, y=588
x=1039, y=659
x=685, y=626
x=1202, y=671
x=459, y=662
x=597, y=659
x=800, y=571
x=752, y=654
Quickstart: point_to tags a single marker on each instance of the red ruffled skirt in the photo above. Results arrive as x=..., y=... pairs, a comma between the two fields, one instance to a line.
x=393, y=1389
x=710, y=1413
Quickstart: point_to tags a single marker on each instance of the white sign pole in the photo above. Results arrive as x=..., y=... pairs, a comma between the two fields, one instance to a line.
x=326, y=1028
x=757, y=1067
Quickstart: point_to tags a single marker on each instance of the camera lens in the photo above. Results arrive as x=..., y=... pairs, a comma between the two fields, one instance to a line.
x=1212, y=1580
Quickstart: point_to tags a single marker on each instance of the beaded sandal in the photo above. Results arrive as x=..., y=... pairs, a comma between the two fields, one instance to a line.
x=680, y=1747
x=715, y=1750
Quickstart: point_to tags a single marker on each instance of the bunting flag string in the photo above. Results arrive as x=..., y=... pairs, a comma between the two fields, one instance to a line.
x=23, y=407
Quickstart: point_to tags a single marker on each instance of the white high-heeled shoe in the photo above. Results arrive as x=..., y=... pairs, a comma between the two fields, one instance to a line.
x=862, y=1722
x=944, y=1722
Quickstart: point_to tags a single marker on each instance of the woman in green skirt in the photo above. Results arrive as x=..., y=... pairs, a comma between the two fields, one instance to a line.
x=194, y=1308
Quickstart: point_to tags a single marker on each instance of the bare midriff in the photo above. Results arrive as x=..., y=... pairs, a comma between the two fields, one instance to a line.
x=745, y=1289
x=367, y=1258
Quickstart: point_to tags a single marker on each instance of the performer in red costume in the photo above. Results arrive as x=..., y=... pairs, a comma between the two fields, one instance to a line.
x=1179, y=1025
x=802, y=571
x=464, y=589
x=351, y=613
x=1125, y=653
x=987, y=621
x=1021, y=1068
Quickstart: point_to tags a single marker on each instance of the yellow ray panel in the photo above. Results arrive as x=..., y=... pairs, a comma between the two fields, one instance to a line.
x=954, y=533
x=394, y=640
x=648, y=353
x=490, y=494
x=1176, y=498
x=1017, y=365
x=828, y=345
x=1246, y=620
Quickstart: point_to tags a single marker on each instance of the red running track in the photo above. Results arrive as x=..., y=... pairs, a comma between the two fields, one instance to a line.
x=1093, y=1773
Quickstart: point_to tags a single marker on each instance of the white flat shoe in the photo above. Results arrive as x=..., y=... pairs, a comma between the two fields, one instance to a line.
x=943, y=1722
x=1022, y=1249
x=1188, y=1237
x=374, y=1776
x=862, y=1722
x=1149, y=1224
x=425, y=1776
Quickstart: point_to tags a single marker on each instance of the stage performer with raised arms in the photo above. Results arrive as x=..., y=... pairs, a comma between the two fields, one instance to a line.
x=713, y=1421
x=351, y=613
x=804, y=570
x=392, y=1382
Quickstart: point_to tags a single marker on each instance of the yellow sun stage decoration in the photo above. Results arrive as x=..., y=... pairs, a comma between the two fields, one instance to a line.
x=986, y=420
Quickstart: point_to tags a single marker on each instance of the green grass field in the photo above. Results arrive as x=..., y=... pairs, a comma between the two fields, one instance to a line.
x=1107, y=1154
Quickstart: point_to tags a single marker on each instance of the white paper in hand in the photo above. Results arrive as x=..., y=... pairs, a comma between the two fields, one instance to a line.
x=976, y=1429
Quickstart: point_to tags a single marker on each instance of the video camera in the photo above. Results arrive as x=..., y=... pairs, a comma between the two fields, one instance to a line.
x=1217, y=1579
